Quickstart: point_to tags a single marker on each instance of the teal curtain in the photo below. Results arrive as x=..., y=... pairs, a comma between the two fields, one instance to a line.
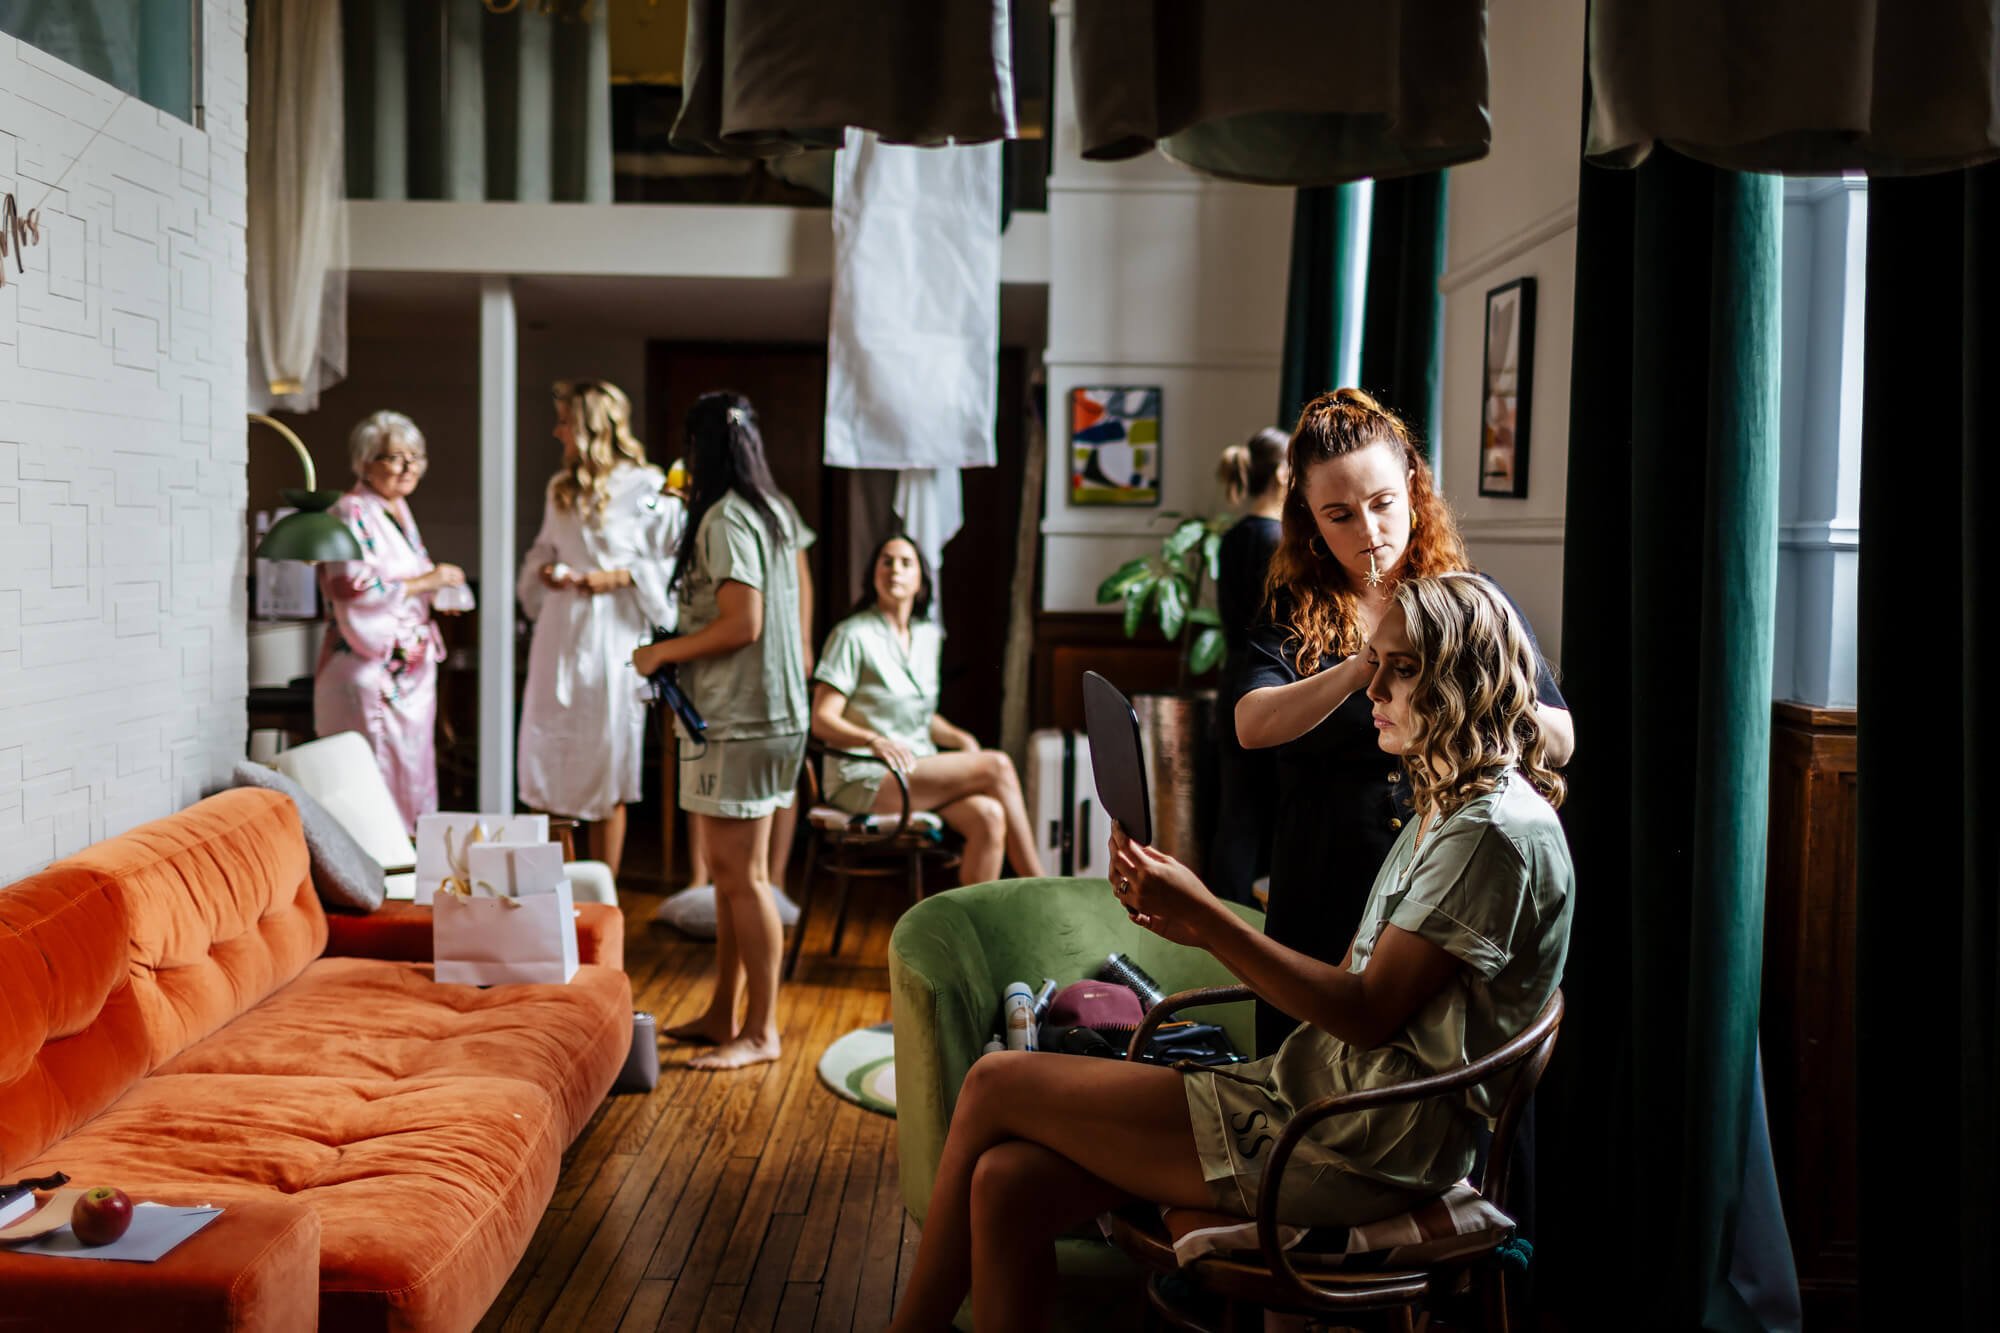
x=1327, y=225
x=1654, y=1104
x=448, y=101
x=1928, y=872
x=1401, y=353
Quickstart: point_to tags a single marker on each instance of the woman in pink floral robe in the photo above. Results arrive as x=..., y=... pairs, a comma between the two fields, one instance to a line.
x=377, y=669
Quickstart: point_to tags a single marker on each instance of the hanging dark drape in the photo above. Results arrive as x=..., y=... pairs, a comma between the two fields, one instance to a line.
x=1326, y=228
x=1400, y=351
x=1669, y=589
x=1313, y=92
x=770, y=77
x=1830, y=85
x=448, y=101
x=1928, y=876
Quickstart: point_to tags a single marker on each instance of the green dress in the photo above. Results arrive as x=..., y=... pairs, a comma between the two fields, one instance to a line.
x=889, y=691
x=1493, y=886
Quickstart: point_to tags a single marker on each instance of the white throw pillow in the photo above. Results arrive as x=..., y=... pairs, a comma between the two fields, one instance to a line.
x=692, y=911
x=339, y=772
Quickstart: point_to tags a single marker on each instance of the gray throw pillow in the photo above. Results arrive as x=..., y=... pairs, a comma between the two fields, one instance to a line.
x=347, y=878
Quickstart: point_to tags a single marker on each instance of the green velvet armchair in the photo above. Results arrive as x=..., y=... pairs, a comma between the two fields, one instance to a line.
x=950, y=957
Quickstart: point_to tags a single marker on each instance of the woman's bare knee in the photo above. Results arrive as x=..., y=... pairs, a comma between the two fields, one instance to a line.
x=989, y=815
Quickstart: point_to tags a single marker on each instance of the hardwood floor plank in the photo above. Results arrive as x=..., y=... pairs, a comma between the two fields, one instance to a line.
x=531, y=1309
x=906, y=1259
x=545, y=1235
x=876, y=1295
x=766, y=1287
x=689, y=1138
x=697, y=1271
x=795, y=1314
x=822, y=1214
x=840, y=1283
x=718, y=1315
x=648, y=1303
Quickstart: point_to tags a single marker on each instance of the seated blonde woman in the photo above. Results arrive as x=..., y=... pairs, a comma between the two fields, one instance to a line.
x=1461, y=944
x=876, y=690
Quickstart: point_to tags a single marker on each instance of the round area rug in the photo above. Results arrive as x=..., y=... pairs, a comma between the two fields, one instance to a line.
x=861, y=1067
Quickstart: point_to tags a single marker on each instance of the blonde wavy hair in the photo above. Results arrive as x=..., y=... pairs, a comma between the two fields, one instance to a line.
x=601, y=415
x=1306, y=583
x=1473, y=703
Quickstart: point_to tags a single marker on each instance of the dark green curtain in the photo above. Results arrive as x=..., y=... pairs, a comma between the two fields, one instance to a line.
x=1326, y=227
x=1669, y=589
x=1400, y=361
x=1928, y=881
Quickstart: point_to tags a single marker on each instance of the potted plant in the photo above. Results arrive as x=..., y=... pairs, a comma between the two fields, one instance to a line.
x=1174, y=728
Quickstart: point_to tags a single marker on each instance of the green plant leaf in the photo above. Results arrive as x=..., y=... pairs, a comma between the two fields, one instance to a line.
x=1172, y=604
x=1182, y=539
x=1207, y=651
x=1135, y=607
x=1205, y=615
x=1211, y=554
x=1122, y=580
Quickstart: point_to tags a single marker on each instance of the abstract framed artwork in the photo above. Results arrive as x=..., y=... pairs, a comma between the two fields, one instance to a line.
x=1506, y=388
x=1114, y=445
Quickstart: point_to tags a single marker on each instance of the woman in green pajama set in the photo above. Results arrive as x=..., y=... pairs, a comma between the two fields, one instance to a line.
x=1461, y=944
x=876, y=690
x=745, y=603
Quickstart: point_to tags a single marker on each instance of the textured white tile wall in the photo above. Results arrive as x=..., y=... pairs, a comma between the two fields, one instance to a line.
x=122, y=373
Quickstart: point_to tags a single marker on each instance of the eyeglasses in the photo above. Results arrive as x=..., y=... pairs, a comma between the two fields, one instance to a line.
x=401, y=462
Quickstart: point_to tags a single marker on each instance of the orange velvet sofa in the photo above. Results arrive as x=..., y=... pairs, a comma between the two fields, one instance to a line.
x=383, y=1146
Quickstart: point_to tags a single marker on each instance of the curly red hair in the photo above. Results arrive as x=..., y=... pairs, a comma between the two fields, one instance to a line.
x=1314, y=590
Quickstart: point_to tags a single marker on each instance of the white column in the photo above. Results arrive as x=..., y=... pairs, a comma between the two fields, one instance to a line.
x=1819, y=506
x=1157, y=277
x=498, y=370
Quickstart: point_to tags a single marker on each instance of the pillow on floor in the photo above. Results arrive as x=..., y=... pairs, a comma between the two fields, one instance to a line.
x=346, y=877
x=692, y=911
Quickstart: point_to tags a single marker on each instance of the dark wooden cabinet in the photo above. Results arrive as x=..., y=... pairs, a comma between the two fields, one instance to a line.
x=1808, y=1006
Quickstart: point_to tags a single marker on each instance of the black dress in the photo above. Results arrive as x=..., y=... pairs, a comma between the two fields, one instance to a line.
x=1240, y=851
x=1341, y=803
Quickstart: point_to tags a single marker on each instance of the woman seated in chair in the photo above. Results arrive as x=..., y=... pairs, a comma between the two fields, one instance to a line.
x=1461, y=945
x=876, y=690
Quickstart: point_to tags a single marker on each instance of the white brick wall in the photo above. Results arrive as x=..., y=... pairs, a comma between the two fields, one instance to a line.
x=122, y=373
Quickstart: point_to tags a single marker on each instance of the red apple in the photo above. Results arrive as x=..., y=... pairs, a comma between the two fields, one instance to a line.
x=101, y=1216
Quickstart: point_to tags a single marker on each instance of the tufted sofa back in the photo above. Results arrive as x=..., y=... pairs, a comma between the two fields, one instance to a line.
x=115, y=960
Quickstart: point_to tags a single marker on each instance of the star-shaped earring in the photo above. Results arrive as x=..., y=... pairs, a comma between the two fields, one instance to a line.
x=1374, y=574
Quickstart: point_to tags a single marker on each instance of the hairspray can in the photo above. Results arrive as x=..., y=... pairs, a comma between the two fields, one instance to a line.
x=1043, y=997
x=1125, y=972
x=1017, y=1016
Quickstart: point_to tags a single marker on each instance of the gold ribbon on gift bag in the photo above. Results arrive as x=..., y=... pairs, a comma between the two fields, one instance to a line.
x=459, y=881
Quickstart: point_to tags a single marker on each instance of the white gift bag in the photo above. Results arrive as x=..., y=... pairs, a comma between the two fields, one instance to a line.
x=484, y=939
x=442, y=840
x=516, y=869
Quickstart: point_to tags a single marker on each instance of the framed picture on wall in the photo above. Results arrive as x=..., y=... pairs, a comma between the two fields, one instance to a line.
x=1506, y=387
x=1114, y=445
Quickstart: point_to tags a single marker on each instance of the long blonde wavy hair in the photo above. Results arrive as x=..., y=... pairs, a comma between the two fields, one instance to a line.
x=601, y=416
x=1472, y=706
x=1306, y=583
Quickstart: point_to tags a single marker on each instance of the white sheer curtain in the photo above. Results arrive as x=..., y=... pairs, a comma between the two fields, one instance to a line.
x=297, y=209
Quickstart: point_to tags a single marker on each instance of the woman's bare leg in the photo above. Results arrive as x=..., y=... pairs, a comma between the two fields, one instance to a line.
x=1024, y=1196
x=936, y=780
x=738, y=853
x=698, y=872
x=716, y=1025
x=982, y=822
x=606, y=839
x=784, y=820
x=1125, y=1124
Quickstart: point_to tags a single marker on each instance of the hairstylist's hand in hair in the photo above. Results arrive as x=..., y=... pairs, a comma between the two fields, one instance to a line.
x=1160, y=893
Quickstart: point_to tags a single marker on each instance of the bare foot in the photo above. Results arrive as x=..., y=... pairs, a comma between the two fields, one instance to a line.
x=708, y=1030
x=737, y=1054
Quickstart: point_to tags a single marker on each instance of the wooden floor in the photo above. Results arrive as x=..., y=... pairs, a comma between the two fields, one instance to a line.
x=754, y=1199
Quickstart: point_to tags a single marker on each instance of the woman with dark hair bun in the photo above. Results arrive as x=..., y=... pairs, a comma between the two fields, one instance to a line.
x=1253, y=478
x=876, y=690
x=745, y=617
x=1362, y=516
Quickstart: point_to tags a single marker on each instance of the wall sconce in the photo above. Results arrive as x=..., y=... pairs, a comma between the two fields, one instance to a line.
x=311, y=534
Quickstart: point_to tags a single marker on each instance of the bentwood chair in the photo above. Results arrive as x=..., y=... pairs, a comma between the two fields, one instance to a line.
x=1319, y=1277
x=862, y=847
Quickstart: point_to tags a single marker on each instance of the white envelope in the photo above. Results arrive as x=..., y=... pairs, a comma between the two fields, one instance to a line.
x=487, y=941
x=434, y=863
x=517, y=869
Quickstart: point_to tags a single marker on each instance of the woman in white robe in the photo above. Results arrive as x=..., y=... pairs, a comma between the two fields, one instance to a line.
x=597, y=582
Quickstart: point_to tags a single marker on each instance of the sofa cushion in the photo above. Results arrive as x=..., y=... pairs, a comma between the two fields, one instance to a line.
x=347, y=877
x=427, y=1191
x=341, y=773
x=255, y=1269
x=356, y=1018
x=401, y=932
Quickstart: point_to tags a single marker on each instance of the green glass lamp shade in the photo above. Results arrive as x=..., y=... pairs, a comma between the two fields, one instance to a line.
x=311, y=533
